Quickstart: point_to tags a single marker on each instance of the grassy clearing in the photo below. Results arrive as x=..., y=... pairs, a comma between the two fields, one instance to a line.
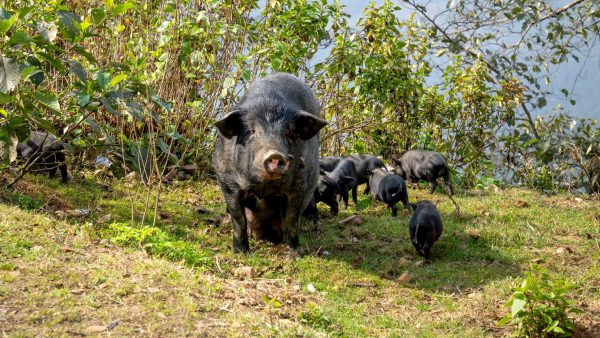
x=61, y=274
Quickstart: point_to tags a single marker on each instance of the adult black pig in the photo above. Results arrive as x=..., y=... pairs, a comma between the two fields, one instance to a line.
x=51, y=152
x=328, y=163
x=363, y=164
x=388, y=188
x=414, y=165
x=345, y=175
x=425, y=227
x=268, y=148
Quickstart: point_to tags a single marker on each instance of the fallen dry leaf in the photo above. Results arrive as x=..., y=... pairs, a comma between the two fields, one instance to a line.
x=404, y=278
x=95, y=328
x=403, y=261
x=473, y=234
x=105, y=218
x=521, y=204
x=419, y=263
x=245, y=272
x=354, y=219
x=564, y=250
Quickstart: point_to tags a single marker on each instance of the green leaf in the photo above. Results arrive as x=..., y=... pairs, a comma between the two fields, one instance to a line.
x=48, y=100
x=9, y=74
x=108, y=106
x=505, y=320
x=5, y=25
x=247, y=75
x=43, y=124
x=103, y=79
x=19, y=38
x=6, y=99
x=276, y=64
x=34, y=74
x=98, y=14
x=78, y=70
x=117, y=79
x=122, y=8
x=53, y=61
x=70, y=23
x=165, y=148
x=83, y=99
x=85, y=54
x=167, y=106
x=517, y=306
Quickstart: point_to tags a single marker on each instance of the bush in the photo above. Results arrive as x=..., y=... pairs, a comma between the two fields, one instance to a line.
x=540, y=306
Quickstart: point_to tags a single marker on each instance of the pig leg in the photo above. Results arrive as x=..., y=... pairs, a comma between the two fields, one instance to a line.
x=354, y=193
x=448, y=182
x=235, y=208
x=367, y=189
x=62, y=166
x=344, y=194
x=404, y=199
x=434, y=184
x=414, y=182
x=48, y=162
x=291, y=224
x=394, y=210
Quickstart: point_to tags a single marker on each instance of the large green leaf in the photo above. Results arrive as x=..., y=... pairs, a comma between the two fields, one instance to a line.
x=78, y=70
x=517, y=306
x=103, y=79
x=9, y=74
x=19, y=38
x=108, y=106
x=5, y=25
x=117, y=79
x=122, y=8
x=48, y=100
x=69, y=23
x=6, y=99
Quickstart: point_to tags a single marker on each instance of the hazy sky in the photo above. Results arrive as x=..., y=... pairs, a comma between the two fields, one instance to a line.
x=582, y=79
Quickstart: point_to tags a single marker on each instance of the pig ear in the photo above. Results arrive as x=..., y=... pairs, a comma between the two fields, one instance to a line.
x=231, y=125
x=308, y=125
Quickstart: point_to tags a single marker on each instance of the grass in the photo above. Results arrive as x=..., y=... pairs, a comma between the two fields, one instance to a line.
x=63, y=274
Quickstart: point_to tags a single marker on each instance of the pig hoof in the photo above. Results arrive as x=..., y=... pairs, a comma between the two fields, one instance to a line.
x=241, y=248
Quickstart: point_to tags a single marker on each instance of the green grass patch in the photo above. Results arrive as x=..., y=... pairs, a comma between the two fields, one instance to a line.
x=157, y=242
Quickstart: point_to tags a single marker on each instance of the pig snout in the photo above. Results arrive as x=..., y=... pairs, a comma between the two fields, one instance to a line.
x=275, y=163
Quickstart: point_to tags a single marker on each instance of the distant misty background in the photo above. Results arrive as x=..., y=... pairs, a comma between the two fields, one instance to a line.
x=582, y=79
